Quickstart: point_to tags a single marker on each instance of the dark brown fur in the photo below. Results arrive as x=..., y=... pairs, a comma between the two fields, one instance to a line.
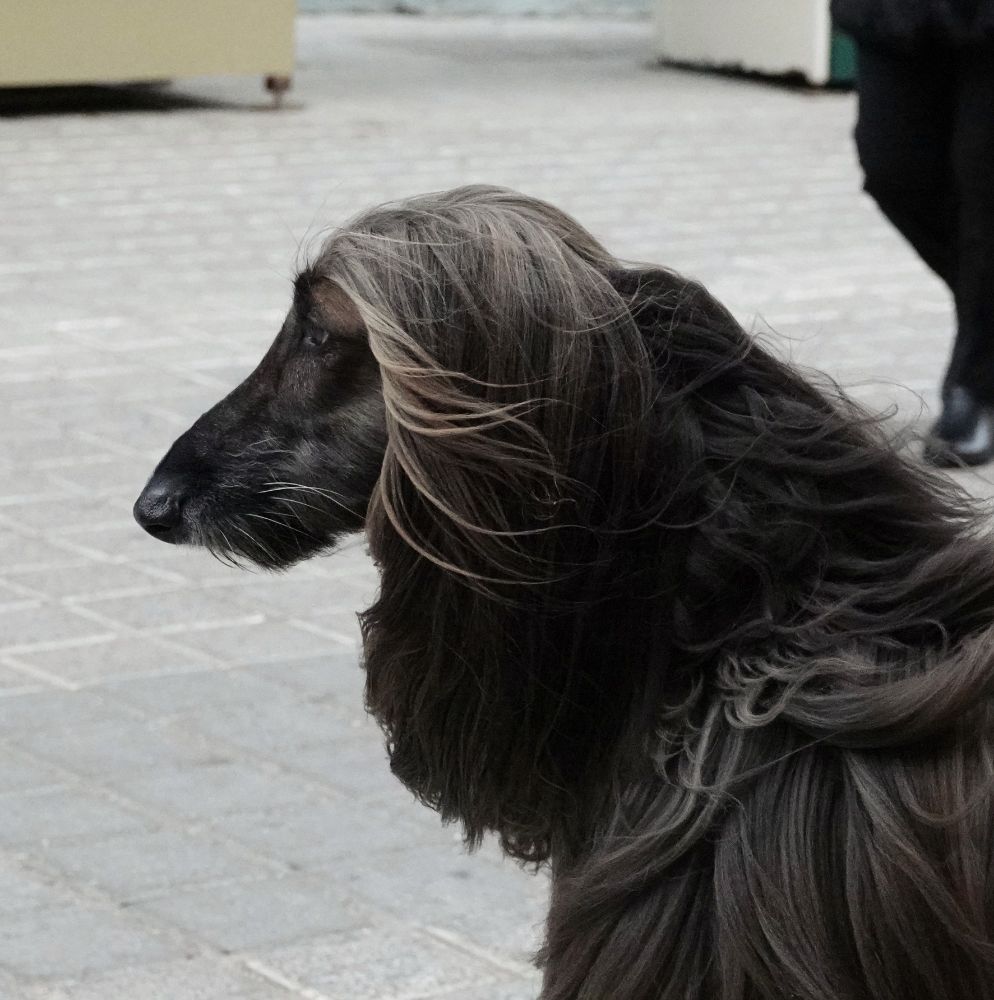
x=654, y=610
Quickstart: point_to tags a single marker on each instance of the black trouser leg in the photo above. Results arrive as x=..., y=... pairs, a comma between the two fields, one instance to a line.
x=972, y=363
x=925, y=137
x=903, y=137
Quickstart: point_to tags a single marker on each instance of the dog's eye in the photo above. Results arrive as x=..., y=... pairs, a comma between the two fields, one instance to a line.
x=314, y=337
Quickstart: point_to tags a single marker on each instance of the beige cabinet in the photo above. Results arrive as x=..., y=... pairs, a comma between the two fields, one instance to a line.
x=765, y=36
x=103, y=41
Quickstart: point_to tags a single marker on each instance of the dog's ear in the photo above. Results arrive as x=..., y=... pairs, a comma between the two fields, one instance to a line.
x=488, y=469
x=338, y=312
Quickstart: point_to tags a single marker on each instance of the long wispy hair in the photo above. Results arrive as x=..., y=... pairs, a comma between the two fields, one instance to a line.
x=660, y=612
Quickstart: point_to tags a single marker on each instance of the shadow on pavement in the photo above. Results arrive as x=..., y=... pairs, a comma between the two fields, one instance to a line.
x=22, y=102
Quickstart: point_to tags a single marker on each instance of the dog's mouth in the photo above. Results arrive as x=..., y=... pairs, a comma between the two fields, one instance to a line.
x=271, y=525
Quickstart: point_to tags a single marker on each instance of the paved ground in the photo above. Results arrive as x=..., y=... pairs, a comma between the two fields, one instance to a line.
x=192, y=804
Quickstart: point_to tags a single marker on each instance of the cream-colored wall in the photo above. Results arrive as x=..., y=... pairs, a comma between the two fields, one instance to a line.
x=769, y=36
x=89, y=41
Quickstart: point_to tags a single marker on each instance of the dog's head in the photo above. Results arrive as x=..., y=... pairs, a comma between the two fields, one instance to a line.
x=436, y=371
x=285, y=464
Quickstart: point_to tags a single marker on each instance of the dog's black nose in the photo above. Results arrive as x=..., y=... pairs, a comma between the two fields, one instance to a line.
x=159, y=509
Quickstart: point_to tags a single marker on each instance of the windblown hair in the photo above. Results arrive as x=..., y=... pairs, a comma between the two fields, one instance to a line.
x=658, y=611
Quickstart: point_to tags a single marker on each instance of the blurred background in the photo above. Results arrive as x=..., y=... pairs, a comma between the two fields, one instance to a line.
x=193, y=805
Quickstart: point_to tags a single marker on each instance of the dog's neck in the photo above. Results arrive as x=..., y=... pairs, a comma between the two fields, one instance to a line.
x=508, y=717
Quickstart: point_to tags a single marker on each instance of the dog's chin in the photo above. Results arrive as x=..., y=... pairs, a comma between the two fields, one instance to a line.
x=238, y=542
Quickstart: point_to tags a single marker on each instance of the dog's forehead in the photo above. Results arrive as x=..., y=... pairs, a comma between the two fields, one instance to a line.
x=324, y=300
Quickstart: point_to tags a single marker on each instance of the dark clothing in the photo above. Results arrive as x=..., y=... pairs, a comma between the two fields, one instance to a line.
x=905, y=24
x=926, y=143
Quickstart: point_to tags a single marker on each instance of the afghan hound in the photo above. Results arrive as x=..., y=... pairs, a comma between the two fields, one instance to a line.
x=654, y=610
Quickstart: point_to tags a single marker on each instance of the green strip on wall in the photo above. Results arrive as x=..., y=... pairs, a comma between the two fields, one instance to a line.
x=843, y=59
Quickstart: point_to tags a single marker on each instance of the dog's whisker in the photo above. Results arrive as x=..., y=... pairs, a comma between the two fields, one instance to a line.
x=310, y=506
x=227, y=557
x=299, y=503
x=304, y=487
x=283, y=524
x=257, y=543
x=298, y=487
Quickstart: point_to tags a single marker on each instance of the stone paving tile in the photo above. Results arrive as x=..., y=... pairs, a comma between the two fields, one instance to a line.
x=78, y=940
x=102, y=544
x=64, y=514
x=341, y=622
x=378, y=964
x=173, y=235
x=276, y=727
x=308, y=599
x=41, y=816
x=356, y=765
x=13, y=682
x=259, y=640
x=129, y=866
x=334, y=838
x=22, y=551
x=217, y=788
x=184, y=979
x=82, y=582
x=119, y=750
x=20, y=774
x=491, y=905
x=259, y=914
x=13, y=597
x=50, y=449
x=335, y=675
x=23, y=628
x=179, y=608
x=22, y=890
x=524, y=989
x=50, y=711
x=33, y=484
x=181, y=694
x=110, y=659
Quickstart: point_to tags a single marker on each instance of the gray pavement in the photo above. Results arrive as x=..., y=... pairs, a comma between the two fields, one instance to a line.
x=192, y=802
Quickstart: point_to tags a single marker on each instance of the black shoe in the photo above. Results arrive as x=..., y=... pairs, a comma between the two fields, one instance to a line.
x=963, y=434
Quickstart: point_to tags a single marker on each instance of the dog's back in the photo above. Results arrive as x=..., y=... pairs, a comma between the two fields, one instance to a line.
x=819, y=819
